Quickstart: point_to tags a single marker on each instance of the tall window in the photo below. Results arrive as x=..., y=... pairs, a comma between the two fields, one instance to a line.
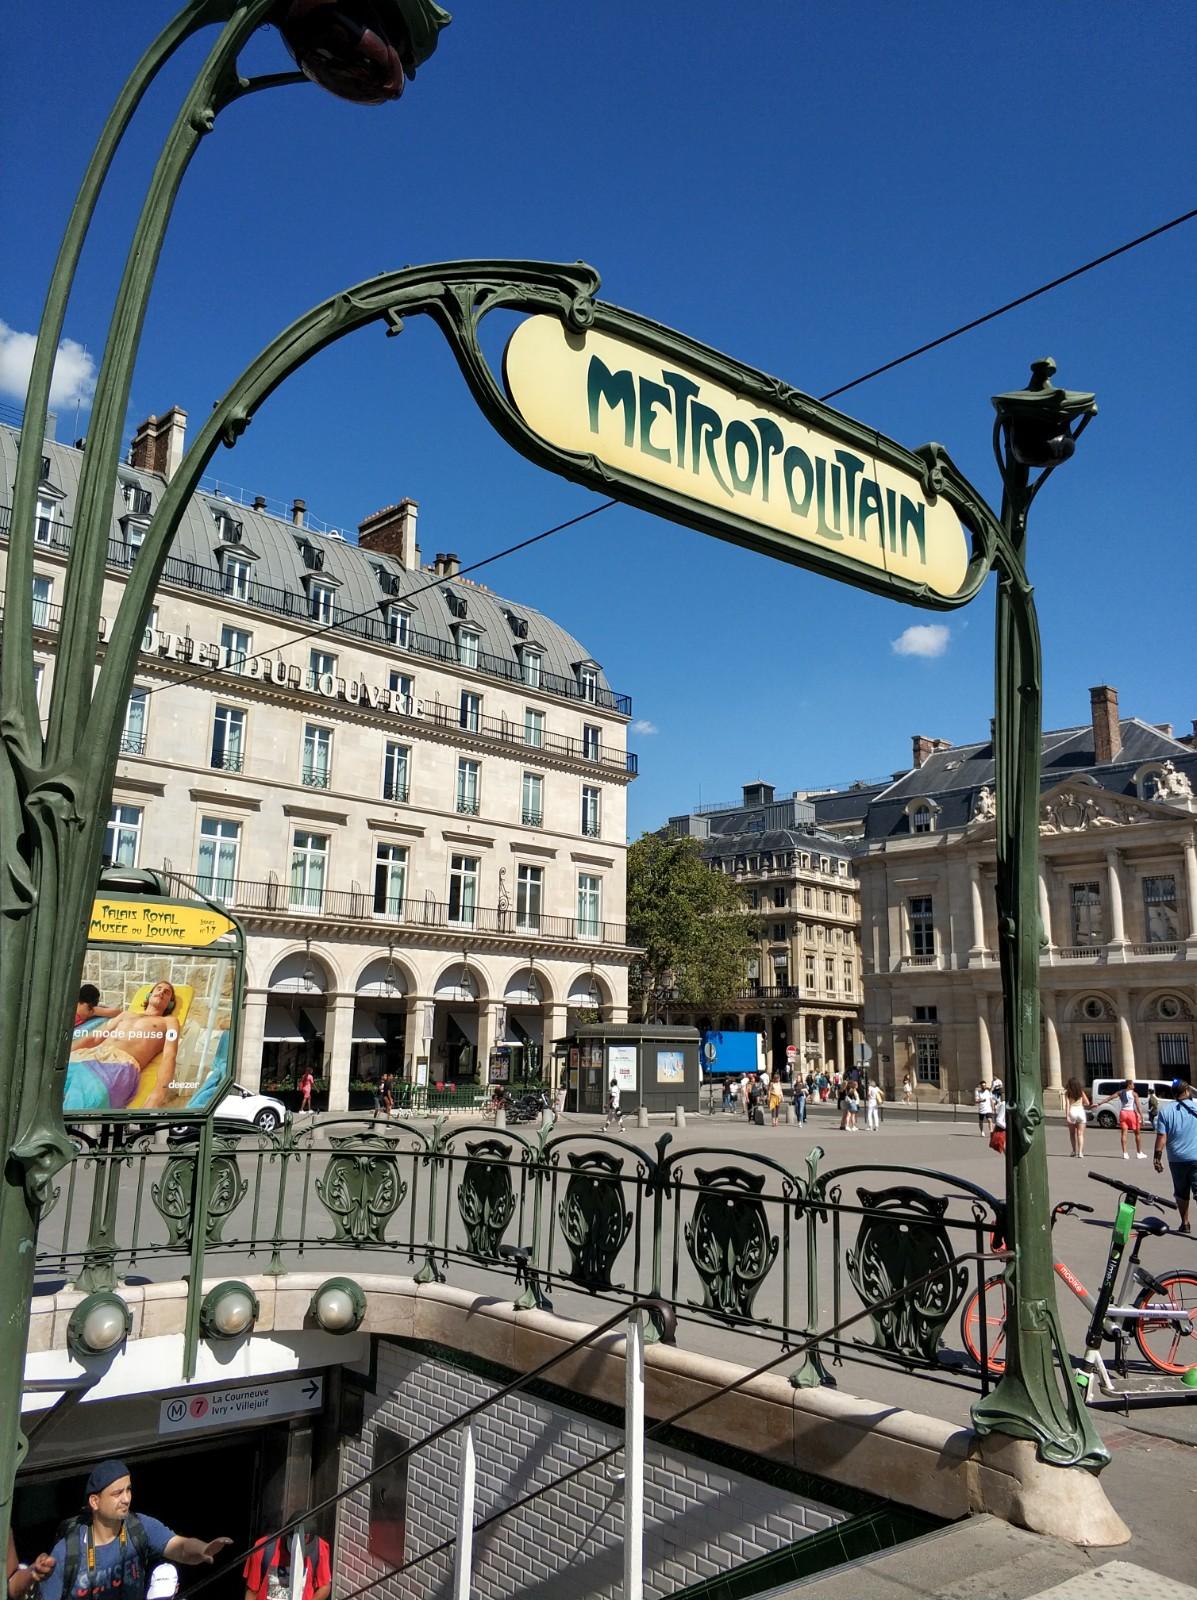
x=216, y=865
x=590, y=905
x=781, y=969
x=39, y=674
x=396, y=772
x=397, y=623
x=532, y=800
x=531, y=661
x=402, y=683
x=390, y=879
x=470, y=714
x=463, y=889
x=122, y=836
x=1097, y=1053
x=592, y=741
x=1085, y=906
x=317, y=756
x=843, y=905
x=321, y=663
x=228, y=738
x=591, y=798
x=44, y=522
x=1159, y=910
x=133, y=732
x=926, y=1057
x=467, y=647
x=588, y=682
x=533, y=727
x=529, y=893
x=920, y=820
x=234, y=572
x=829, y=974
x=808, y=971
x=1174, y=1055
x=847, y=977
x=826, y=899
x=808, y=897
x=43, y=593
x=922, y=926
x=320, y=602
x=235, y=645
x=779, y=897
x=309, y=866
x=469, y=780
x=151, y=628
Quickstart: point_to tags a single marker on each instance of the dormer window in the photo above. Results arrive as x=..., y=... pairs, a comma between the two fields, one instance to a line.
x=227, y=527
x=397, y=622
x=467, y=647
x=234, y=575
x=137, y=500
x=518, y=625
x=531, y=663
x=320, y=602
x=588, y=681
x=921, y=820
x=312, y=558
x=46, y=526
x=458, y=606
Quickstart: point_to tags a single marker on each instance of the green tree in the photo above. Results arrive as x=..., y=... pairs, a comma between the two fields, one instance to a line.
x=694, y=925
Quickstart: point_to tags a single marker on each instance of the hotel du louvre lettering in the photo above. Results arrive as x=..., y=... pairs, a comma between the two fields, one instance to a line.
x=653, y=419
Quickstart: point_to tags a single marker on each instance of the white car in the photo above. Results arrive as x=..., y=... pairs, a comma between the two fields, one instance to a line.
x=263, y=1110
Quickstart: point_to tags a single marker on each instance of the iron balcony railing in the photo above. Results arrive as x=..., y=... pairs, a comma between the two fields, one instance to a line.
x=316, y=777
x=274, y=897
x=467, y=807
x=209, y=580
x=510, y=732
x=227, y=760
x=395, y=791
x=133, y=744
x=532, y=819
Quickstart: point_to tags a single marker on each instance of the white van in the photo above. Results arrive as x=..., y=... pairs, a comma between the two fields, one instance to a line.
x=1107, y=1116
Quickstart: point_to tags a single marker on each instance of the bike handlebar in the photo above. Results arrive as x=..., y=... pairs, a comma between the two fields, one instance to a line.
x=1132, y=1192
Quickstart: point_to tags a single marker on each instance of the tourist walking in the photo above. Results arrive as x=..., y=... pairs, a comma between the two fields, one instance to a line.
x=775, y=1097
x=1130, y=1117
x=851, y=1110
x=1074, y=1114
x=1176, y=1129
x=614, y=1114
x=983, y=1096
x=386, y=1093
x=873, y=1108
x=306, y=1084
x=997, y=1139
x=907, y=1090
x=801, y=1097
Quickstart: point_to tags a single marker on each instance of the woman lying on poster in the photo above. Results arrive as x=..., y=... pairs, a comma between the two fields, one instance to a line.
x=104, y=1067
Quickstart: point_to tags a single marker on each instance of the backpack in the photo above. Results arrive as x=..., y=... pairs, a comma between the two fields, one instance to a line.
x=70, y=1534
x=311, y=1553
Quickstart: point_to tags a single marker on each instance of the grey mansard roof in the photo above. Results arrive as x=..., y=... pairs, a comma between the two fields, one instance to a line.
x=274, y=543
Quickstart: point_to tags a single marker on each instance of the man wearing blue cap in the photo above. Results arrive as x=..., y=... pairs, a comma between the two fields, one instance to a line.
x=1176, y=1128
x=107, y=1552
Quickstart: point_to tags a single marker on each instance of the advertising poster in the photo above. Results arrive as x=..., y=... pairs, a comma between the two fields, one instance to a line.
x=621, y=1064
x=153, y=1028
x=671, y=1066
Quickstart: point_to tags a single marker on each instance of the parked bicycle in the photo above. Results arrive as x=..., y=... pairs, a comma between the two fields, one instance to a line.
x=1162, y=1318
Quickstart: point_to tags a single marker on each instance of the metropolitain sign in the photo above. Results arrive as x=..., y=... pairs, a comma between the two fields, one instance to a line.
x=670, y=426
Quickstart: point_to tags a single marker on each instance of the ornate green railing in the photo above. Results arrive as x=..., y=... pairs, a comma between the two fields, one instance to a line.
x=727, y=1238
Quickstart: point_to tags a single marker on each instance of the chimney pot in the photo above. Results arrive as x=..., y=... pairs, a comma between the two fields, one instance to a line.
x=298, y=512
x=452, y=565
x=259, y=502
x=1107, y=730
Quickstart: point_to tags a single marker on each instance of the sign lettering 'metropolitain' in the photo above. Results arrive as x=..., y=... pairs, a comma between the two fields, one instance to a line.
x=654, y=420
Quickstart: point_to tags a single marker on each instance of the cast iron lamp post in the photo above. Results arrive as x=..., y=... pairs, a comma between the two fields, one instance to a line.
x=54, y=789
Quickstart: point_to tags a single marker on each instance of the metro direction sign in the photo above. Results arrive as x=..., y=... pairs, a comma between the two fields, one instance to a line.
x=666, y=424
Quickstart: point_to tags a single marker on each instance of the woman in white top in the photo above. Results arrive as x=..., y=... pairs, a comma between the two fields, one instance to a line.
x=1077, y=1101
x=873, y=1108
x=984, y=1098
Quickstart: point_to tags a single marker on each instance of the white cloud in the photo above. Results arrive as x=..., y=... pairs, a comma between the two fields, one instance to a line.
x=644, y=726
x=74, y=370
x=923, y=639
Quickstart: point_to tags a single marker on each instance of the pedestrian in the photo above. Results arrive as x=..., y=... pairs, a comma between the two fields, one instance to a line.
x=1130, y=1116
x=614, y=1114
x=23, y=1579
x=727, y=1095
x=1176, y=1130
x=822, y=1084
x=801, y=1098
x=306, y=1084
x=907, y=1090
x=267, y=1572
x=873, y=1108
x=1077, y=1104
x=775, y=1097
x=386, y=1093
x=109, y=1551
x=851, y=1110
x=984, y=1099
x=999, y=1089
x=997, y=1139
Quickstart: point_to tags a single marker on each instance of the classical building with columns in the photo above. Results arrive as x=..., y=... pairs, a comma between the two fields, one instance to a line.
x=1117, y=902
x=804, y=986
x=411, y=791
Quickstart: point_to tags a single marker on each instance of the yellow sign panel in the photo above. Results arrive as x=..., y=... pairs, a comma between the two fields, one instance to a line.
x=653, y=419
x=164, y=923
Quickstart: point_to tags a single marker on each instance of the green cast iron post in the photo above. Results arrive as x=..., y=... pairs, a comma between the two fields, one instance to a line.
x=1036, y=1397
x=54, y=790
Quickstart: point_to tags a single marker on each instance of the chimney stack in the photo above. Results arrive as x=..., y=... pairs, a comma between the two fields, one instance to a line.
x=259, y=502
x=299, y=509
x=922, y=747
x=158, y=443
x=452, y=565
x=1107, y=732
x=392, y=532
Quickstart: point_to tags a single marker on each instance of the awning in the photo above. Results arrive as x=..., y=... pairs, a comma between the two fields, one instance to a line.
x=315, y=1023
x=282, y=1027
x=468, y=1023
x=364, y=1029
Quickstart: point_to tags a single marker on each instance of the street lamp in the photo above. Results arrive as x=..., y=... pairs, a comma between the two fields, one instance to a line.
x=54, y=787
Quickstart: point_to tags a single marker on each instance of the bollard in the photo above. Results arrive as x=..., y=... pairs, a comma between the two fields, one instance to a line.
x=791, y=1116
x=679, y=1116
x=642, y=1116
x=500, y=1118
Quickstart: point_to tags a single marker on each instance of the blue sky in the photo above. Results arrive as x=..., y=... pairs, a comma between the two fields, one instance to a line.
x=812, y=188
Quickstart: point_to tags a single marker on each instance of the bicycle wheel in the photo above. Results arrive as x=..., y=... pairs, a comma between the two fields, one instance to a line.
x=1170, y=1346
x=993, y=1296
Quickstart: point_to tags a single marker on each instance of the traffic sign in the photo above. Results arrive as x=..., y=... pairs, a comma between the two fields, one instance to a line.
x=862, y=1054
x=225, y=1408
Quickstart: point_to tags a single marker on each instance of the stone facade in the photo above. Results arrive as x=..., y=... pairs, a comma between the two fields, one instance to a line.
x=700, y=1519
x=1117, y=905
x=804, y=987
x=410, y=791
